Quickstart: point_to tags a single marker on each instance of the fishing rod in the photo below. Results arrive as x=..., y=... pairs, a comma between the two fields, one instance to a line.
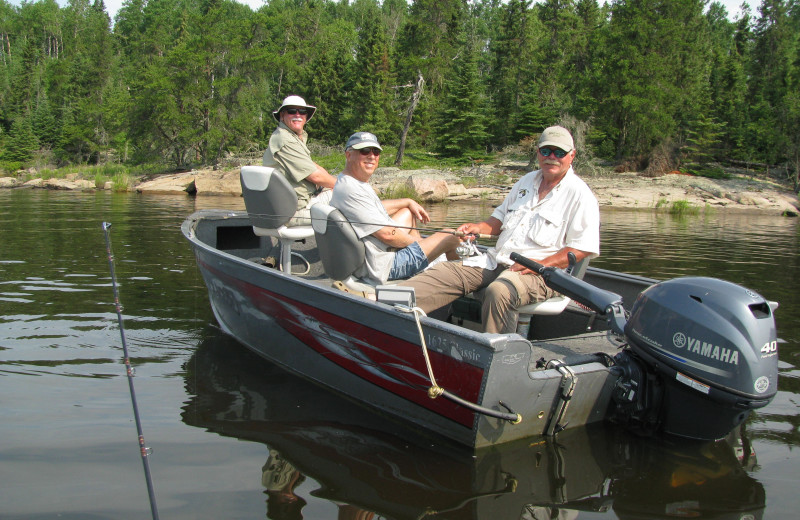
x=455, y=233
x=143, y=450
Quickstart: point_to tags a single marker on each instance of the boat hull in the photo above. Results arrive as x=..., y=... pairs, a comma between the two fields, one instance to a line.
x=374, y=352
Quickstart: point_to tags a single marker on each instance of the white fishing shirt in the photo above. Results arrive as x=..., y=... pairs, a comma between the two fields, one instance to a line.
x=568, y=216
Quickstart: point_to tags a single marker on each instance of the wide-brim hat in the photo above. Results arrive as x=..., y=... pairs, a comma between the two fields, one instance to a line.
x=294, y=101
x=557, y=136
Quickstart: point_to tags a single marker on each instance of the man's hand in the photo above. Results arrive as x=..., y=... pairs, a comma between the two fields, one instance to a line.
x=418, y=211
x=521, y=269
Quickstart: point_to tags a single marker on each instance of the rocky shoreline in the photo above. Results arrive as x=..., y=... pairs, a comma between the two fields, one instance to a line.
x=619, y=190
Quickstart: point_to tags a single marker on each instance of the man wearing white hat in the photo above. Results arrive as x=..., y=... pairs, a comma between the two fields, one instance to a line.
x=548, y=214
x=288, y=153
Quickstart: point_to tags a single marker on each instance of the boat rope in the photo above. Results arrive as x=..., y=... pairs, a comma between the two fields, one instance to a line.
x=510, y=487
x=435, y=390
x=413, y=228
x=143, y=449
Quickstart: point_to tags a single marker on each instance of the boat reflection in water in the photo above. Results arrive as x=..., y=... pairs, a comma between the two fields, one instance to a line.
x=372, y=466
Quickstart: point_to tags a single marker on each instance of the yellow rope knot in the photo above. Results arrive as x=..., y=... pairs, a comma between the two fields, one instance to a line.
x=435, y=391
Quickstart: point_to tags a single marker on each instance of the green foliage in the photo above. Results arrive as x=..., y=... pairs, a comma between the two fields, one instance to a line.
x=181, y=83
x=683, y=207
x=712, y=172
x=400, y=191
x=461, y=122
x=21, y=142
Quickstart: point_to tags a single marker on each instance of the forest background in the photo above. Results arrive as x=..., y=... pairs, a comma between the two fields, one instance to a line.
x=175, y=84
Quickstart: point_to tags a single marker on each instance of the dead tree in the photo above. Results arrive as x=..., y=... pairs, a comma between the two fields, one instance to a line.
x=420, y=83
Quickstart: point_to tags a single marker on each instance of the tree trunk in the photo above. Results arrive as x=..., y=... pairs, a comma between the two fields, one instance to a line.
x=413, y=105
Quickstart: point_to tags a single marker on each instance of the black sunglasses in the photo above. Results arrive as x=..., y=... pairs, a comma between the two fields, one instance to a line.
x=293, y=111
x=558, y=152
x=367, y=151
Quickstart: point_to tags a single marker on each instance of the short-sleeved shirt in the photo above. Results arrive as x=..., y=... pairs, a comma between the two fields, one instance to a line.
x=359, y=203
x=288, y=153
x=568, y=216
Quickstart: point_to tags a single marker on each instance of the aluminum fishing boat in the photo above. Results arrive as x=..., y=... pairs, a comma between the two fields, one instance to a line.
x=688, y=357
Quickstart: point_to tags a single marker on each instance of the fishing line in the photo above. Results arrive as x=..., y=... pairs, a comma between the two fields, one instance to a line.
x=455, y=233
x=143, y=450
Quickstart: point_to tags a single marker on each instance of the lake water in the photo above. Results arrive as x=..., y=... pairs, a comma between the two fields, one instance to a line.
x=234, y=437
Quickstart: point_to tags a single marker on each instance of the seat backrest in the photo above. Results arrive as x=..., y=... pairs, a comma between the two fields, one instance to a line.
x=269, y=198
x=339, y=248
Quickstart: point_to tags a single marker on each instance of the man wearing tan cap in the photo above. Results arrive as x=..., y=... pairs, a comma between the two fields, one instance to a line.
x=288, y=153
x=549, y=213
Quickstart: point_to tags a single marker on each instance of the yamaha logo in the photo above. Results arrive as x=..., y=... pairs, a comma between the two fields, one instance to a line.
x=705, y=349
x=751, y=293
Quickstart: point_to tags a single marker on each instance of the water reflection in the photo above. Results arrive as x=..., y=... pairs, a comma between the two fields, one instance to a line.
x=61, y=370
x=368, y=465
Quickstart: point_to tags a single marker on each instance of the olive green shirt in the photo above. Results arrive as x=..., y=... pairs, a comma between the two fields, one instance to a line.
x=288, y=153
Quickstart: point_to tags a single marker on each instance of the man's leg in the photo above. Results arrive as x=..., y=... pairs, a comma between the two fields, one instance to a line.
x=445, y=282
x=302, y=217
x=505, y=294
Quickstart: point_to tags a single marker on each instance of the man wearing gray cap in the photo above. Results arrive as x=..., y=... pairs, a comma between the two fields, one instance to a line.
x=549, y=213
x=288, y=153
x=394, y=247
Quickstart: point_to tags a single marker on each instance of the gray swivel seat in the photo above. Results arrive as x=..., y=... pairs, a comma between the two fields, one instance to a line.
x=340, y=250
x=550, y=306
x=271, y=202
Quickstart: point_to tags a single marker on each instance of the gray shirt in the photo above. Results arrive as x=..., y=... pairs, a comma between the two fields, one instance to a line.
x=361, y=206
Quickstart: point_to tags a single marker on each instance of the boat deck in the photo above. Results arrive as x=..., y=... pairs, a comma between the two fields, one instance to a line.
x=564, y=348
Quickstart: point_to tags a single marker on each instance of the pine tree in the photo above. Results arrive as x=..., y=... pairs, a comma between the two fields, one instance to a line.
x=20, y=142
x=509, y=80
x=371, y=96
x=461, y=122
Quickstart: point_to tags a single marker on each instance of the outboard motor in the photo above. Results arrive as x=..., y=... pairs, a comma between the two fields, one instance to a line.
x=703, y=352
x=714, y=345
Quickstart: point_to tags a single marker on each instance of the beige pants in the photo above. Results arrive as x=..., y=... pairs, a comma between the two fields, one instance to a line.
x=505, y=290
x=302, y=217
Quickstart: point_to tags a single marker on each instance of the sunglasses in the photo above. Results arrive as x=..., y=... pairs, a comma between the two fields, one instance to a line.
x=293, y=111
x=558, y=152
x=367, y=151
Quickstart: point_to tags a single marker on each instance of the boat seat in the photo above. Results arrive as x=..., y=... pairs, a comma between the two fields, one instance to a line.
x=271, y=202
x=340, y=249
x=551, y=306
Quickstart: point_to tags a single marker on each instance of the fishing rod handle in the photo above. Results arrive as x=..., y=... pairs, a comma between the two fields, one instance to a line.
x=476, y=235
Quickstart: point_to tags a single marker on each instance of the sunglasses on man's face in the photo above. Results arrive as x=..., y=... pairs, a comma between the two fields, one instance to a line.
x=558, y=152
x=367, y=151
x=293, y=111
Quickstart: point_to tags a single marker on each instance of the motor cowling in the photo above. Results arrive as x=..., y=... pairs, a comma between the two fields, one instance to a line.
x=714, y=345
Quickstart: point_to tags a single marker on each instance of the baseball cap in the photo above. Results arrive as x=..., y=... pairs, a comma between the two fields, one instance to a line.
x=362, y=140
x=557, y=136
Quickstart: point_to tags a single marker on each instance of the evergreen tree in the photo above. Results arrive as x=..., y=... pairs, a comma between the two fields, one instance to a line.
x=45, y=125
x=21, y=143
x=728, y=80
x=331, y=85
x=427, y=46
x=371, y=102
x=509, y=80
x=655, y=61
x=773, y=64
x=461, y=122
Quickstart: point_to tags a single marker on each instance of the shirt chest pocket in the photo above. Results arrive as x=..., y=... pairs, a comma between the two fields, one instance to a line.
x=546, y=229
x=517, y=215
